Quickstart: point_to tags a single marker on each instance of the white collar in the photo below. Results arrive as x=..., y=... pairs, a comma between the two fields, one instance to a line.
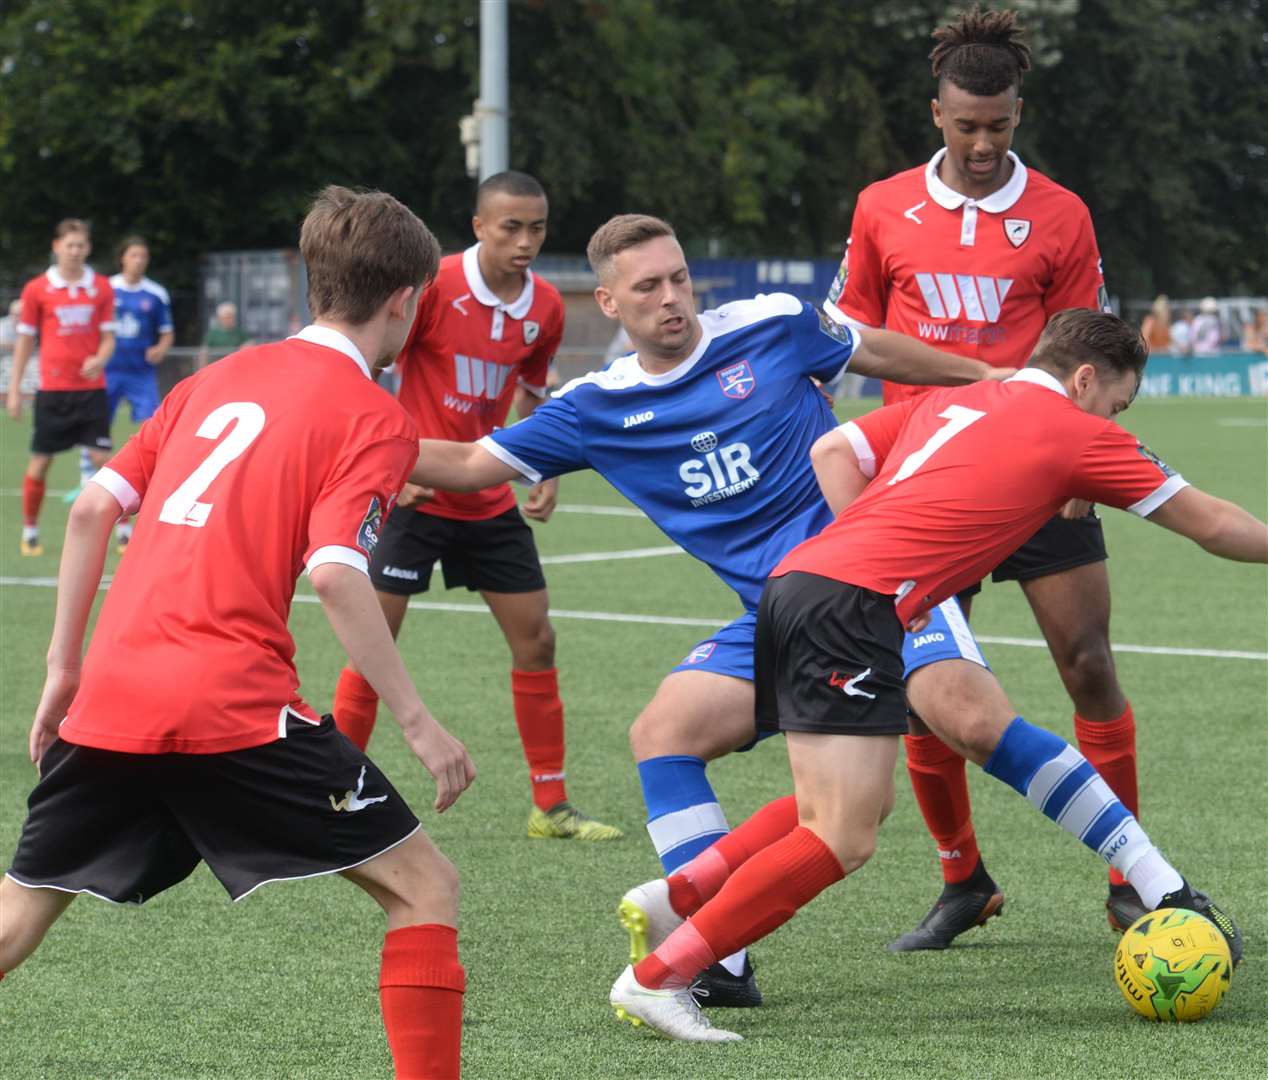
x=120, y=282
x=995, y=203
x=58, y=282
x=332, y=339
x=1040, y=378
x=481, y=291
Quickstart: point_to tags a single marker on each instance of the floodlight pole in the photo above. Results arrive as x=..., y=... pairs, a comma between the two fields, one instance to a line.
x=493, y=106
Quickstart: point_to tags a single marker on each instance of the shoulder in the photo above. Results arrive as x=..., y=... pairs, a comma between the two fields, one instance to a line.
x=449, y=276
x=155, y=288
x=623, y=373
x=546, y=292
x=1061, y=199
x=743, y=314
x=893, y=189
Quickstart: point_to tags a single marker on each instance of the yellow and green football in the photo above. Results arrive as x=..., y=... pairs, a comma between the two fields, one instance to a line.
x=1172, y=964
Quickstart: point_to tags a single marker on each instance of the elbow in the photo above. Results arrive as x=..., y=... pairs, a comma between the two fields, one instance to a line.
x=826, y=449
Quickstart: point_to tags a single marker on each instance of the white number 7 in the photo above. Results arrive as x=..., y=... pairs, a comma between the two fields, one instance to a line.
x=957, y=419
x=182, y=507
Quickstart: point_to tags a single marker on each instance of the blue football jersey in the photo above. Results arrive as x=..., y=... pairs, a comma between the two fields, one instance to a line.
x=141, y=313
x=716, y=451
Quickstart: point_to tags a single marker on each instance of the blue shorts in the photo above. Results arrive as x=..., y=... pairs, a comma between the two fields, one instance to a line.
x=947, y=637
x=139, y=387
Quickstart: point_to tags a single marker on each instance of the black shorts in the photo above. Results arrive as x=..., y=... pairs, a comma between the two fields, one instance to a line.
x=1058, y=545
x=497, y=554
x=66, y=418
x=125, y=827
x=828, y=657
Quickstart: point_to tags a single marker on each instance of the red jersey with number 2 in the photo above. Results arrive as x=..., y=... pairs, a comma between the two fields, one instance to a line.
x=979, y=278
x=963, y=477
x=466, y=354
x=274, y=459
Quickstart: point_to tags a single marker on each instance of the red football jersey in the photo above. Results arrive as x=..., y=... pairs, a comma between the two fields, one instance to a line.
x=69, y=320
x=465, y=355
x=278, y=458
x=975, y=277
x=964, y=476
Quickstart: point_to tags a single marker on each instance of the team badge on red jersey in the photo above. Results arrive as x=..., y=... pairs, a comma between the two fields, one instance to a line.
x=1150, y=456
x=531, y=330
x=1017, y=230
x=737, y=381
x=368, y=534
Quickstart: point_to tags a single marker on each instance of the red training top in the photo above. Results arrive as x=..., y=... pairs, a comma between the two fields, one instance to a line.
x=69, y=320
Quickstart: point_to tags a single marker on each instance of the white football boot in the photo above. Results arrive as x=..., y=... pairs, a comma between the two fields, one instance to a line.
x=646, y=916
x=672, y=1013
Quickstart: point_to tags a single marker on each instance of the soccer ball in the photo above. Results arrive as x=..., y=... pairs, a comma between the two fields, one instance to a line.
x=1172, y=964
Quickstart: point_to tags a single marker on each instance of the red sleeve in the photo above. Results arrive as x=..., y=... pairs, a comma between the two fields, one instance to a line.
x=533, y=373
x=1115, y=468
x=1077, y=281
x=424, y=320
x=345, y=521
x=873, y=436
x=127, y=475
x=29, y=316
x=105, y=306
x=862, y=287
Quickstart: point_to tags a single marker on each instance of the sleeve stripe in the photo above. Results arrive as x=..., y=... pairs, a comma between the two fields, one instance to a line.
x=507, y=458
x=536, y=391
x=337, y=553
x=862, y=448
x=119, y=487
x=1159, y=495
x=839, y=316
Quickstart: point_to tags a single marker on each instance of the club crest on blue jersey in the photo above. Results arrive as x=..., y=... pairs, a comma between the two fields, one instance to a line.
x=737, y=381
x=701, y=652
x=368, y=534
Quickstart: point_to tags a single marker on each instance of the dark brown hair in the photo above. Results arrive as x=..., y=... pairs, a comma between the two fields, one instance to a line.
x=1079, y=336
x=359, y=248
x=130, y=241
x=518, y=184
x=982, y=52
x=621, y=232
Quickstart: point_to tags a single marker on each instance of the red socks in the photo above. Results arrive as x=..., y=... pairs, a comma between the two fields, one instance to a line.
x=32, y=498
x=942, y=792
x=539, y=715
x=356, y=707
x=421, y=984
x=1111, y=748
x=692, y=885
x=762, y=895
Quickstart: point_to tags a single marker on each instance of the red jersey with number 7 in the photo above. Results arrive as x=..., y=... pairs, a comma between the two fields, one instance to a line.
x=275, y=459
x=979, y=278
x=963, y=477
x=466, y=354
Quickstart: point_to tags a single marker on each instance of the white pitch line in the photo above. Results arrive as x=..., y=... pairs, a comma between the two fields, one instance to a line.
x=710, y=624
x=611, y=511
x=610, y=556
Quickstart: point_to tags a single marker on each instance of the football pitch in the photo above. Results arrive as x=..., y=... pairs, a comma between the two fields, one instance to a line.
x=285, y=984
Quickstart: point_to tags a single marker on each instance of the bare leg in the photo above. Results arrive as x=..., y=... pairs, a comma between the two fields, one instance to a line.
x=25, y=916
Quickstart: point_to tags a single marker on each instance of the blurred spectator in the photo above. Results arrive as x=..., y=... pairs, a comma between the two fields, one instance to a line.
x=224, y=335
x=1255, y=332
x=1205, y=339
x=9, y=328
x=1155, y=327
x=1182, y=334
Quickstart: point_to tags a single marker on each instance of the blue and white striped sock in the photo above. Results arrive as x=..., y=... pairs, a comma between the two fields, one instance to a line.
x=1061, y=783
x=683, y=816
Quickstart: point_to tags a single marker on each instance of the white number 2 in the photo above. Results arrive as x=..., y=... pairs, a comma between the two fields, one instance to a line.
x=182, y=507
x=957, y=419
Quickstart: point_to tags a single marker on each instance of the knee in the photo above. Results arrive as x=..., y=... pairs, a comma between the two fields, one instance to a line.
x=654, y=734
x=535, y=651
x=887, y=807
x=853, y=850
x=1087, y=667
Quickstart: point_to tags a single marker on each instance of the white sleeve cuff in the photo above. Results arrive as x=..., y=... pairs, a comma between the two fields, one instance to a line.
x=337, y=553
x=1160, y=495
x=862, y=448
x=124, y=493
x=110, y=326
x=166, y=328
x=26, y=328
x=507, y=458
x=538, y=392
x=838, y=316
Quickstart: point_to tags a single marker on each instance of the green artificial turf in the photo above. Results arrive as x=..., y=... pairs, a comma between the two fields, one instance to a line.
x=284, y=984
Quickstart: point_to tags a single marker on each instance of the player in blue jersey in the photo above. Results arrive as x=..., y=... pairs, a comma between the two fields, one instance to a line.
x=143, y=334
x=707, y=427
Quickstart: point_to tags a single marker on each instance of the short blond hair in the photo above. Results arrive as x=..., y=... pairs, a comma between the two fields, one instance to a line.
x=619, y=233
x=359, y=248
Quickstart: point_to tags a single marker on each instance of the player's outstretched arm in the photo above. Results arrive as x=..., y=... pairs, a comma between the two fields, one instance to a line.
x=22, y=350
x=1221, y=527
x=837, y=469
x=885, y=354
x=458, y=466
x=83, y=555
x=357, y=620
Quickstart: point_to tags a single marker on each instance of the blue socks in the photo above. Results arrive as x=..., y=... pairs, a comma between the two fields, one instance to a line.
x=683, y=815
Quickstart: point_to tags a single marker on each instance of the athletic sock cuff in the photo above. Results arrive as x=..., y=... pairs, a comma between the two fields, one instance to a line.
x=1020, y=753
x=928, y=750
x=545, y=683
x=809, y=864
x=422, y=955
x=1112, y=733
x=354, y=684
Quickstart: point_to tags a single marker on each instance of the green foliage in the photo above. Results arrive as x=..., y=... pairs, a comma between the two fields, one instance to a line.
x=751, y=124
